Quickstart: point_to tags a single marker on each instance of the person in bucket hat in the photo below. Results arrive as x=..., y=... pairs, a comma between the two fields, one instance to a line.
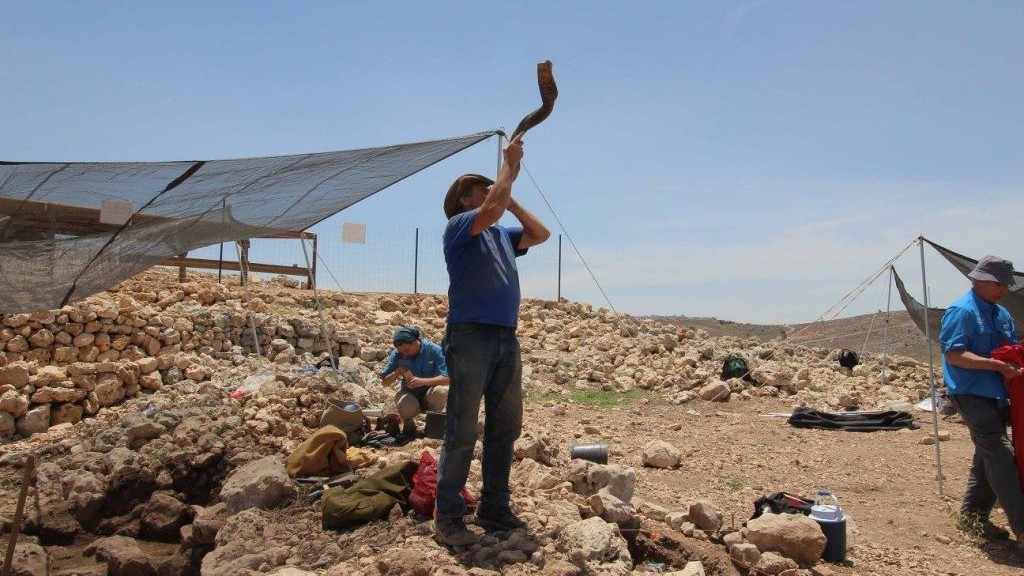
x=972, y=327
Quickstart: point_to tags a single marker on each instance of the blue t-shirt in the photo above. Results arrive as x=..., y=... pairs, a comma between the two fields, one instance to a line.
x=977, y=326
x=483, y=282
x=427, y=364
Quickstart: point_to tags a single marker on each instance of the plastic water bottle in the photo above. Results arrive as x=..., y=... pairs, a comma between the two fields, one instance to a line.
x=829, y=515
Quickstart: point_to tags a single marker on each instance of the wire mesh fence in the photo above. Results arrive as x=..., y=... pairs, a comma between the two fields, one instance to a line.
x=397, y=259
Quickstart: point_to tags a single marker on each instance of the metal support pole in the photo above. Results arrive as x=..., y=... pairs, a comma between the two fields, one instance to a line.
x=220, y=264
x=416, y=264
x=885, y=334
x=220, y=259
x=931, y=371
x=312, y=273
x=326, y=334
x=559, y=293
x=182, y=274
x=498, y=170
x=243, y=270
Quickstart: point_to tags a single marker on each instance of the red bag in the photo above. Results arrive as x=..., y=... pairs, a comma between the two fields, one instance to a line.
x=1014, y=354
x=424, y=487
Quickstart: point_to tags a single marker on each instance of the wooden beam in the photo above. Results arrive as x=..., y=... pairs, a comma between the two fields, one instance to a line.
x=44, y=218
x=206, y=264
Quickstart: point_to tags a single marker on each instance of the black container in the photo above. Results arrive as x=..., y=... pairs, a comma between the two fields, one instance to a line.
x=435, y=425
x=597, y=453
x=835, y=539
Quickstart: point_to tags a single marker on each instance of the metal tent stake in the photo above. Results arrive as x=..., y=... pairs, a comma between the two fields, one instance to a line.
x=931, y=370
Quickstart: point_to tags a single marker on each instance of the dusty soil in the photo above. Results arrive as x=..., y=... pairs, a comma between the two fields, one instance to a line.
x=733, y=454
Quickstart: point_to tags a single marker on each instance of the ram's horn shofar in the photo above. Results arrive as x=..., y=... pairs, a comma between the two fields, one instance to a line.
x=548, y=94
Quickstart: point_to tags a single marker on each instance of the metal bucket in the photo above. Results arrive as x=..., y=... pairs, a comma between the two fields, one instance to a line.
x=597, y=453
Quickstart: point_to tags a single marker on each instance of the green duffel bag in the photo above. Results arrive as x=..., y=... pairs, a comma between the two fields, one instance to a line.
x=369, y=499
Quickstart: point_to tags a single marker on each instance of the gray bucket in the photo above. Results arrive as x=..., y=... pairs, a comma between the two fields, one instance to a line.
x=597, y=453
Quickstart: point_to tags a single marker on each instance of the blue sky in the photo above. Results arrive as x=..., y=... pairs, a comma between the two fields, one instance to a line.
x=748, y=160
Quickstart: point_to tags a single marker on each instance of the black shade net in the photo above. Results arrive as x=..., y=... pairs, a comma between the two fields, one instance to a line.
x=1013, y=301
x=54, y=248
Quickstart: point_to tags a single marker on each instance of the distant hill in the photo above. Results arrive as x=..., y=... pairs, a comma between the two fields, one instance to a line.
x=860, y=333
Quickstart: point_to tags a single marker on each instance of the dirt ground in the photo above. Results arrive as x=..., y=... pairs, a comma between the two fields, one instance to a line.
x=733, y=453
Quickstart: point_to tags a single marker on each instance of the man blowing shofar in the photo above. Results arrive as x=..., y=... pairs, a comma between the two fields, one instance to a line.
x=481, y=348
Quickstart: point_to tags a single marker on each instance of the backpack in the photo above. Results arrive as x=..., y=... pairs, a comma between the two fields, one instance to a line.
x=734, y=366
x=848, y=358
x=782, y=503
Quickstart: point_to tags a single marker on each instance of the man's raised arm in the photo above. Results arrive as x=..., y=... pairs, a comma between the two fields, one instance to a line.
x=500, y=194
x=534, y=231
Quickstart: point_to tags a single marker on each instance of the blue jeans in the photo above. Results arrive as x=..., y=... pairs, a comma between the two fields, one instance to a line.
x=483, y=363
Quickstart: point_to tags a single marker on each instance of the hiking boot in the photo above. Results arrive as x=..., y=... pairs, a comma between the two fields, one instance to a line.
x=498, y=520
x=990, y=531
x=453, y=532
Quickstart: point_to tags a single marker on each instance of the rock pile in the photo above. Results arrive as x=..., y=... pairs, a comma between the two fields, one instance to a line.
x=145, y=453
x=59, y=366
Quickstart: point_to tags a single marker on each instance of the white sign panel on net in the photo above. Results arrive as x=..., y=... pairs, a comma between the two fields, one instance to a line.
x=352, y=233
x=115, y=212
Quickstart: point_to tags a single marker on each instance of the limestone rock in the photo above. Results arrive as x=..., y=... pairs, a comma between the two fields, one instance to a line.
x=15, y=374
x=109, y=392
x=7, y=425
x=209, y=521
x=793, y=535
x=745, y=552
x=611, y=509
x=661, y=454
x=715, y=392
x=705, y=516
x=587, y=478
x=66, y=414
x=263, y=483
x=773, y=563
x=242, y=547
x=14, y=403
x=593, y=540
x=30, y=558
x=124, y=557
x=162, y=517
x=694, y=568
x=34, y=421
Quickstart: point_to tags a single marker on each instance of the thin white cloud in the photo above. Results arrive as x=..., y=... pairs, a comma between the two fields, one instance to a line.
x=790, y=275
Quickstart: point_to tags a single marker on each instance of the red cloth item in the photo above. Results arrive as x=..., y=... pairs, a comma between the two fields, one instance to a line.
x=1014, y=354
x=424, y=487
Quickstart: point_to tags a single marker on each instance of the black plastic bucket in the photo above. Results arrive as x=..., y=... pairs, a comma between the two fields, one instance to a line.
x=597, y=453
x=436, y=424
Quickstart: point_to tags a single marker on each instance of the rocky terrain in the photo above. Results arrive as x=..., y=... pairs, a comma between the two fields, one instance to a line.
x=866, y=333
x=149, y=464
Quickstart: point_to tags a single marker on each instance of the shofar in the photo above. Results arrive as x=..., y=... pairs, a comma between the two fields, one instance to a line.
x=548, y=94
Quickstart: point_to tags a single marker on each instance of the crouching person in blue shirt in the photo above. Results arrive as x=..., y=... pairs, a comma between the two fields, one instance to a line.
x=481, y=347
x=420, y=365
x=972, y=328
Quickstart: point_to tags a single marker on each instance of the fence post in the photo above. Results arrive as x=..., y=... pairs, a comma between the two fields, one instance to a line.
x=416, y=264
x=559, y=298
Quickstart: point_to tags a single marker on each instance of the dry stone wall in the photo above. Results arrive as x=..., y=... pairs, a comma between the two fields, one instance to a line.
x=62, y=365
